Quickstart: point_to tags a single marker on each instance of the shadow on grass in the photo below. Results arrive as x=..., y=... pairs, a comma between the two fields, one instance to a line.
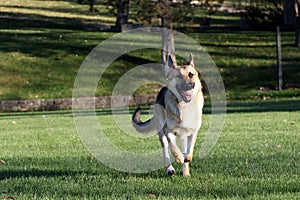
x=264, y=106
x=21, y=20
x=61, y=10
x=13, y=20
x=46, y=44
x=215, y=176
x=232, y=107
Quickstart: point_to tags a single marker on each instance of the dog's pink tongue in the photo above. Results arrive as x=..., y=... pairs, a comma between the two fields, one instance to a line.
x=188, y=94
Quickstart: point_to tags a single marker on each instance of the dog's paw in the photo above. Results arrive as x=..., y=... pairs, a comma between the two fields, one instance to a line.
x=186, y=174
x=188, y=159
x=179, y=159
x=186, y=170
x=170, y=170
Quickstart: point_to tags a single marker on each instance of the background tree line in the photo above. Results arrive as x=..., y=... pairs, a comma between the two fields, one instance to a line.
x=259, y=14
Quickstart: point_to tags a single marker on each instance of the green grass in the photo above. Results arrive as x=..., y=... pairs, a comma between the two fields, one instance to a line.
x=43, y=44
x=256, y=157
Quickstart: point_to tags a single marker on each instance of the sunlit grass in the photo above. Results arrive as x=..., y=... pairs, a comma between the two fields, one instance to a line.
x=43, y=44
x=256, y=157
x=55, y=9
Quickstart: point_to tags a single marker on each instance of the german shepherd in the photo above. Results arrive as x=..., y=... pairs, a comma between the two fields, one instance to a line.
x=178, y=112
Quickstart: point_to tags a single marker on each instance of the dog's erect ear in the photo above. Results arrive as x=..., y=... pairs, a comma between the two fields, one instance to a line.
x=172, y=61
x=168, y=59
x=191, y=60
x=164, y=57
x=168, y=63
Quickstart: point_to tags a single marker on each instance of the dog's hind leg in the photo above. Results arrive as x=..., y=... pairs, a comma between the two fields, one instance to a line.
x=166, y=157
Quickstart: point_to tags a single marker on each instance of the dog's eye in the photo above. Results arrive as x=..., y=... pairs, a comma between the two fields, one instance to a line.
x=190, y=75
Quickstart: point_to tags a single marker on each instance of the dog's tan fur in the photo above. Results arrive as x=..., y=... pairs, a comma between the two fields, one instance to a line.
x=177, y=113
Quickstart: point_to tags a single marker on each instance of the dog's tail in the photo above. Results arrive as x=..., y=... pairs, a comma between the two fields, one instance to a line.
x=142, y=127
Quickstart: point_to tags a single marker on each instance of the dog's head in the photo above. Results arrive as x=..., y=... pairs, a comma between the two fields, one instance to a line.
x=183, y=80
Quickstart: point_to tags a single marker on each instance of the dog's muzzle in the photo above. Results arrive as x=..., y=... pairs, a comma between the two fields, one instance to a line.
x=186, y=91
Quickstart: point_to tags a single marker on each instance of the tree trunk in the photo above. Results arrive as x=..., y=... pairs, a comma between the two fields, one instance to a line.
x=92, y=3
x=297, y=33
x=166, y=14
x=289, y=13
x=168, y=46
x=168, y=49
x=167, y=36
x=122, y=15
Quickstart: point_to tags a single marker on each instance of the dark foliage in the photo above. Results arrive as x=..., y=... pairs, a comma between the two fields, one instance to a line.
x=264, y=16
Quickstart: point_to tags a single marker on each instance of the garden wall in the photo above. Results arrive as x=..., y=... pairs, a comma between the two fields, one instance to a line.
x=81, y=103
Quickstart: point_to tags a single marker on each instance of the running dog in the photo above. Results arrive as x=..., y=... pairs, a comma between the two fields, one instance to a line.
x=177, y=112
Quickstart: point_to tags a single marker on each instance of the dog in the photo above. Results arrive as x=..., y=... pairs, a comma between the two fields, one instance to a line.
x=177, y=113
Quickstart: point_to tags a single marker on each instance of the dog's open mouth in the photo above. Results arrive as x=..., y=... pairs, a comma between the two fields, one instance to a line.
x=186, y=95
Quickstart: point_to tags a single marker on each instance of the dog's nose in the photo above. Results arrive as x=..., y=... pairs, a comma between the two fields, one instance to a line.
x=192, y=84
x=188, y=85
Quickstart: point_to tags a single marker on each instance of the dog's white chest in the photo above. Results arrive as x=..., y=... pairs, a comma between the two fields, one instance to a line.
x=190, y=115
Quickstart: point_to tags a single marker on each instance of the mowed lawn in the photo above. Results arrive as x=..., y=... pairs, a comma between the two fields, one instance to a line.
x=257, y=157
x=43, y=44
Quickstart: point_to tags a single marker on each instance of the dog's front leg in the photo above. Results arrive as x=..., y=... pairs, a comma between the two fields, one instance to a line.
x=183, y=145
x=186, y=169
x=174, y=148
x=191, y=140
x=166, y=157
x=184, y=148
